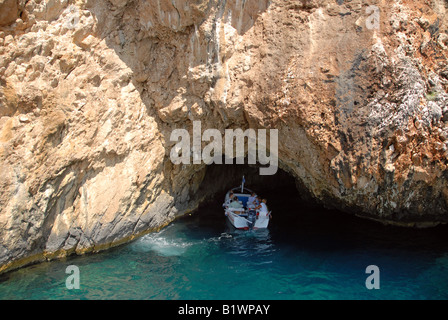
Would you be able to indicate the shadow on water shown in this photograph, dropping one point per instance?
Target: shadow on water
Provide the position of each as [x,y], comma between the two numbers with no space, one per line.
[301,224]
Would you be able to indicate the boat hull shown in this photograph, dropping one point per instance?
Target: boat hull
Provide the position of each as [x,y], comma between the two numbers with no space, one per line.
[242,223]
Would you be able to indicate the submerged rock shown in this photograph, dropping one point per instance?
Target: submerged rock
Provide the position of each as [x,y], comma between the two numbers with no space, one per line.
[90,93]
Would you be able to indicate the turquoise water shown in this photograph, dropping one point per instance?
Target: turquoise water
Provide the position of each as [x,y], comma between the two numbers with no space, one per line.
[305,254]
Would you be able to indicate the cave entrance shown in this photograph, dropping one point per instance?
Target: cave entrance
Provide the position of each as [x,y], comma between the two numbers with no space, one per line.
[290,204]
[298,220]
[219,178]
[281,189]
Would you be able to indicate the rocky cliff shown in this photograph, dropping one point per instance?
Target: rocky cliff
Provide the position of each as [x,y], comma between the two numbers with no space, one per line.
[90,91]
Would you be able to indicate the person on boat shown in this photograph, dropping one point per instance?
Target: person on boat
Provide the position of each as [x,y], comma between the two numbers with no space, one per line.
[251,200]
[235,199]
[230,197]
[263,211]
[235,204]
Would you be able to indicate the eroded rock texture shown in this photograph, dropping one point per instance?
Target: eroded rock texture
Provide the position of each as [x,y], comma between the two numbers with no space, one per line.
[91,91]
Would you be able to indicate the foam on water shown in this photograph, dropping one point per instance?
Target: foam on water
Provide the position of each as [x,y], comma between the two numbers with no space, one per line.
[223,236]
[164,245]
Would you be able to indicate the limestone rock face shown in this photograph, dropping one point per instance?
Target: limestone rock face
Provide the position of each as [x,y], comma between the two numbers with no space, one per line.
[90,92]
[8,11]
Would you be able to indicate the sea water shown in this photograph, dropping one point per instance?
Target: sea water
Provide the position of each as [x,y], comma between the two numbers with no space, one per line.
[306,253]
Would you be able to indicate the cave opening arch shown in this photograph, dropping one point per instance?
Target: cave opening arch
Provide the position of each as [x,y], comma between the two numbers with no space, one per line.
[277,188]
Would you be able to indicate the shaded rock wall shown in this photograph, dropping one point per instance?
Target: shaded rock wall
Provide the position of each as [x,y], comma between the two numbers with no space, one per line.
[91,91]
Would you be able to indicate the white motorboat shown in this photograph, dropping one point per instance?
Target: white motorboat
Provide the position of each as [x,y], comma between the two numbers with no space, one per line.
[242,213]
